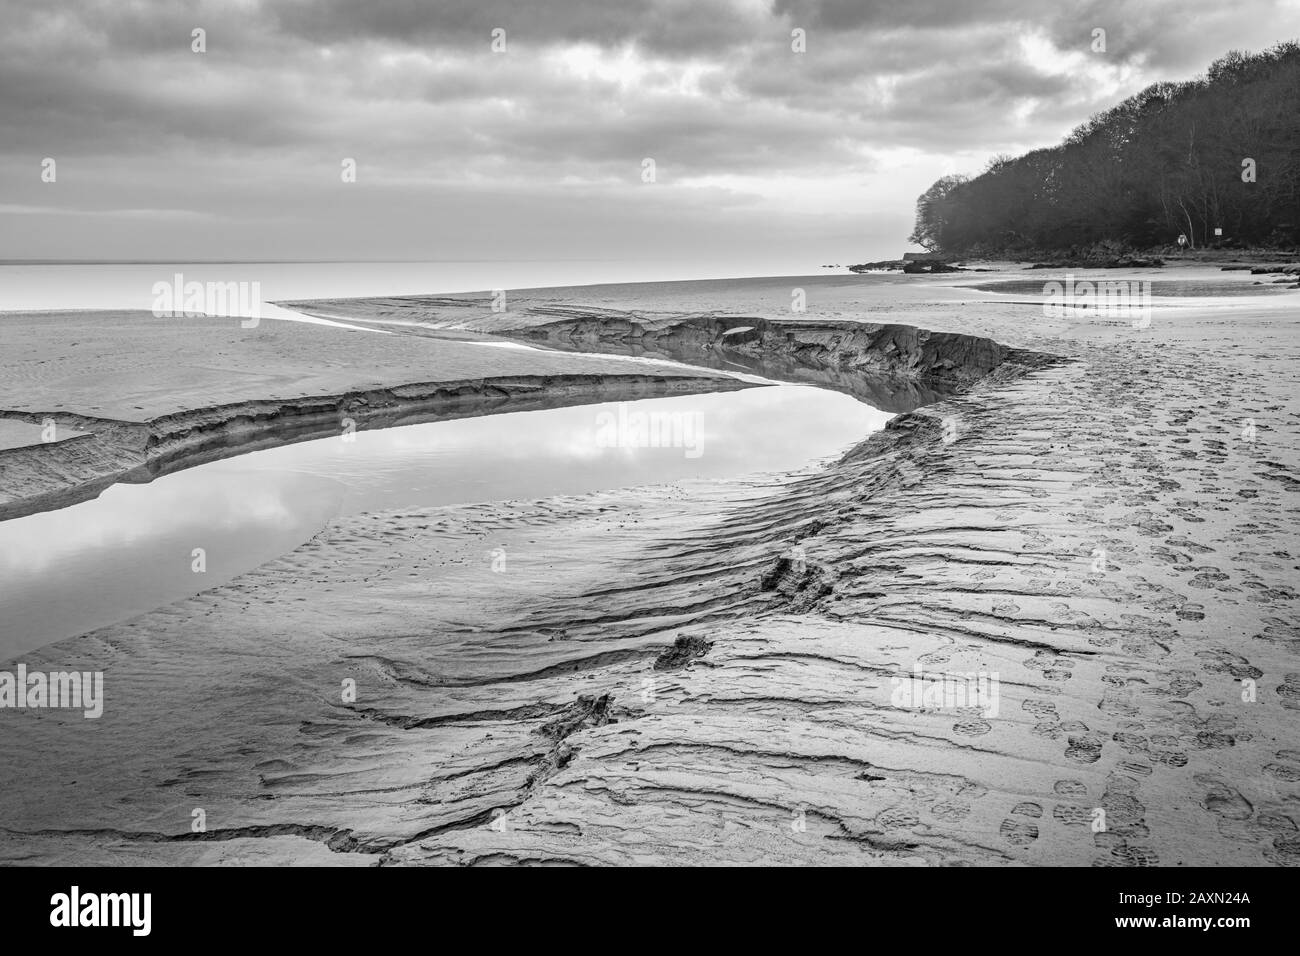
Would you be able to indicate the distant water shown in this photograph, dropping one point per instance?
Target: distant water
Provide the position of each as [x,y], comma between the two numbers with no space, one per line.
[130,286]
[131,549]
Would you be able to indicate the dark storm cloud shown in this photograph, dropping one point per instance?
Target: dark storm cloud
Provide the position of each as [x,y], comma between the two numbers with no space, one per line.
[587,88]
[1179,35]
[668,26]
[122,77]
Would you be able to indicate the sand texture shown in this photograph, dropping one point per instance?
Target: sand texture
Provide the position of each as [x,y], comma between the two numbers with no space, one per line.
[653,679]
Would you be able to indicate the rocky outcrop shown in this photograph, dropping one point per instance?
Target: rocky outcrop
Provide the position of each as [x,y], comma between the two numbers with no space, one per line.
[912,263]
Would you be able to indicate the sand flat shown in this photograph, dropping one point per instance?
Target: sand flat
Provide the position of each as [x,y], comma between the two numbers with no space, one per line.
[134,367]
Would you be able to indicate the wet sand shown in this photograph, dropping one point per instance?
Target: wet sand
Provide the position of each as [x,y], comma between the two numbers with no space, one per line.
[644,680]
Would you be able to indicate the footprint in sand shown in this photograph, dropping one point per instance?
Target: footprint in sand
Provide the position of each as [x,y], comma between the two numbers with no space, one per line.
[1220,661]
[1188,545]
[1053,667]
[1170,758]
[1208,578]
[1126,855]
[950,811]
[1285,834]
[1184,683]
[1051,729]
[1282,635]
[1223,800]
[1072,814]
[1038,707]
[1135,768]
[1018,833]
[1116,706]
[1084,748]
[1285,851]
[1286,772]
[1125,814]
[897,818]
[1169,556]
[1276,820]
[1131,743]
[1070,788]
[1290,691]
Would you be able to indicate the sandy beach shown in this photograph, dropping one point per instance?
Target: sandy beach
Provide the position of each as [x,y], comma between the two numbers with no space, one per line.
[1077,507]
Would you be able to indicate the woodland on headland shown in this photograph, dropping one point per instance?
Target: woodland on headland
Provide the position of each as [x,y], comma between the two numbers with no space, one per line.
[1215,159]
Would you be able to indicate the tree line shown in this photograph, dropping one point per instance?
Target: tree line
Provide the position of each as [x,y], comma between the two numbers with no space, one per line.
[1220,152]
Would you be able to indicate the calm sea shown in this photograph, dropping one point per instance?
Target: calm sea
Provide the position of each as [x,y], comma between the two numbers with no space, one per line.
[26,286]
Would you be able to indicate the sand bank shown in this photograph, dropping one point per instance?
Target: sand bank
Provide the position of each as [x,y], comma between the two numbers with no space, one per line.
[143,395]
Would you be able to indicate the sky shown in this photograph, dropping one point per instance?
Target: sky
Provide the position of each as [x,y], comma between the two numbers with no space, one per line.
[534,145]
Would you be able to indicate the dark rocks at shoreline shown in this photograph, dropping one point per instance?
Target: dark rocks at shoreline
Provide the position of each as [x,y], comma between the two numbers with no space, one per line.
[931,263]
[910,266]
[924,263]
[921,263]
[1118,262]
[1289,273]
[893,265]
[929,268]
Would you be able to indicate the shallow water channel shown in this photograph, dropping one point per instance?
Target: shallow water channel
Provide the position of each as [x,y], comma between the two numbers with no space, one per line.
[140,546]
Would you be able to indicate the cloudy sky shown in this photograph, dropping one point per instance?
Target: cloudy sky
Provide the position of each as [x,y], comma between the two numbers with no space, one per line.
[536,152]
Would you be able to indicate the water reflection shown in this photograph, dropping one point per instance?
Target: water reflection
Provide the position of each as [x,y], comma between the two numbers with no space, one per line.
[133,548]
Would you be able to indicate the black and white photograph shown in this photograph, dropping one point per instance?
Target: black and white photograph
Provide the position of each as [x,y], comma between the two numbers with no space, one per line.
[674,433]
